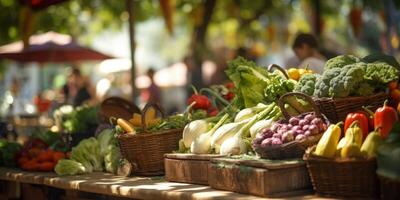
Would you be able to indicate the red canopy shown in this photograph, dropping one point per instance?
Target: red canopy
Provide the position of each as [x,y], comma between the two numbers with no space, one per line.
[50,47]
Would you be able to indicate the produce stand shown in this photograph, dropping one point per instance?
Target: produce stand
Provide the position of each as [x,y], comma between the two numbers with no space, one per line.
[117,186]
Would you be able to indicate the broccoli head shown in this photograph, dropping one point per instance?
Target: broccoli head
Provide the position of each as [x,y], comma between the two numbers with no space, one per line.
[306,84]
[340,61]
[347,81]
[323,83]
[381,73]
[365,89]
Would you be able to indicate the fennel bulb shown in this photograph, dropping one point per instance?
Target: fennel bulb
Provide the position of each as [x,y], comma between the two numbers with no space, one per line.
[202,144]
[193,130]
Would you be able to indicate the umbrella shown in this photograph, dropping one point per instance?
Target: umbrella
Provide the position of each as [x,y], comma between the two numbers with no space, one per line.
[50,47]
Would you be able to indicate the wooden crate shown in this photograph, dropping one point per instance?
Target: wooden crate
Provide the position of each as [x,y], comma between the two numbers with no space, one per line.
[187,168]
[264,178]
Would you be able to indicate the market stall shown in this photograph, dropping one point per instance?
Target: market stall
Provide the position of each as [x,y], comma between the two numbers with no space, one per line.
[268,133]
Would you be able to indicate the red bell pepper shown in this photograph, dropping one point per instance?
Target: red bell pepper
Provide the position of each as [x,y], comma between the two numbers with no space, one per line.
[384,119]
[200,102]
[370,116]
[362,121]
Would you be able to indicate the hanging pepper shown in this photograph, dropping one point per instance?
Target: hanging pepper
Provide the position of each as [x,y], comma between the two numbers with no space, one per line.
[200,101]
[362,121]
[384,119]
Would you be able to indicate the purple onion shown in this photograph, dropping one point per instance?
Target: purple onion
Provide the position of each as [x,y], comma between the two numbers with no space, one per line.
[305,127]
[267,142]
[276,141]
[313,129]
[316,121]
[294,121]
[303,122]
[307,133]
[298,132]
[277,135]
[289,126]
[309,117]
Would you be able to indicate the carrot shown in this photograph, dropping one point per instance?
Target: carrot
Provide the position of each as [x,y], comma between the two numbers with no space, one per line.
[45,156]
[31,165]
[46,166]
[58,156]
[22,161]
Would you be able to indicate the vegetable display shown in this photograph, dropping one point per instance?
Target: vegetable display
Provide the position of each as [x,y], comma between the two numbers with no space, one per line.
[296,129]
[348,75]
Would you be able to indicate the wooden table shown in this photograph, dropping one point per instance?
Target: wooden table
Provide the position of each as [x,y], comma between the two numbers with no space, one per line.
[130,187]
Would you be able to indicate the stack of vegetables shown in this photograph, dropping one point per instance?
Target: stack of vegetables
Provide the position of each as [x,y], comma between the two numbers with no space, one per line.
[348,75]
[92,154]
[42,152]
[252,109]
[296,129]
[358,141]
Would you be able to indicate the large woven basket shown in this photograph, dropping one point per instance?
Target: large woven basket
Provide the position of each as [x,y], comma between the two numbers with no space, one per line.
[294,149]
[145,150]
[342,178]
[336,109]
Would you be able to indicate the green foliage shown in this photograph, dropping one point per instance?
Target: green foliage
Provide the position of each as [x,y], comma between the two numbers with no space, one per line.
[81,119]
[8,152]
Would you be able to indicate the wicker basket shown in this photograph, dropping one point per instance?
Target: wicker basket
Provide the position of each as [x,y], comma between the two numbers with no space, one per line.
[343,178]
[118,108]
[294,149]
[336,109]
[389,188]
[145,151]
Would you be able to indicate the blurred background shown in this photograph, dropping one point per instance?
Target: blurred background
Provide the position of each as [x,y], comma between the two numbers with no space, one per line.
[167,45]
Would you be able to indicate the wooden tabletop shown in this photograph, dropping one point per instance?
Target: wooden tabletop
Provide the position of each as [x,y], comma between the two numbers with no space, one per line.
[133,187]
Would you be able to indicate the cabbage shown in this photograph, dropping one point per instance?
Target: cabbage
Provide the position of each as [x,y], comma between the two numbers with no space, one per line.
[111,159]
[69,167]
[105,138]
[88,153]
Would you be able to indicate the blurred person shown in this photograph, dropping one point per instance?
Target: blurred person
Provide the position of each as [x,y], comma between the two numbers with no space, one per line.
[78,89]
[305,46]
[153,92]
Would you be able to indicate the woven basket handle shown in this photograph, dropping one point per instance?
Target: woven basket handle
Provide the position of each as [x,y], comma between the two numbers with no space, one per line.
[272,66]
[123,103]
[281,103]
[146,108]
